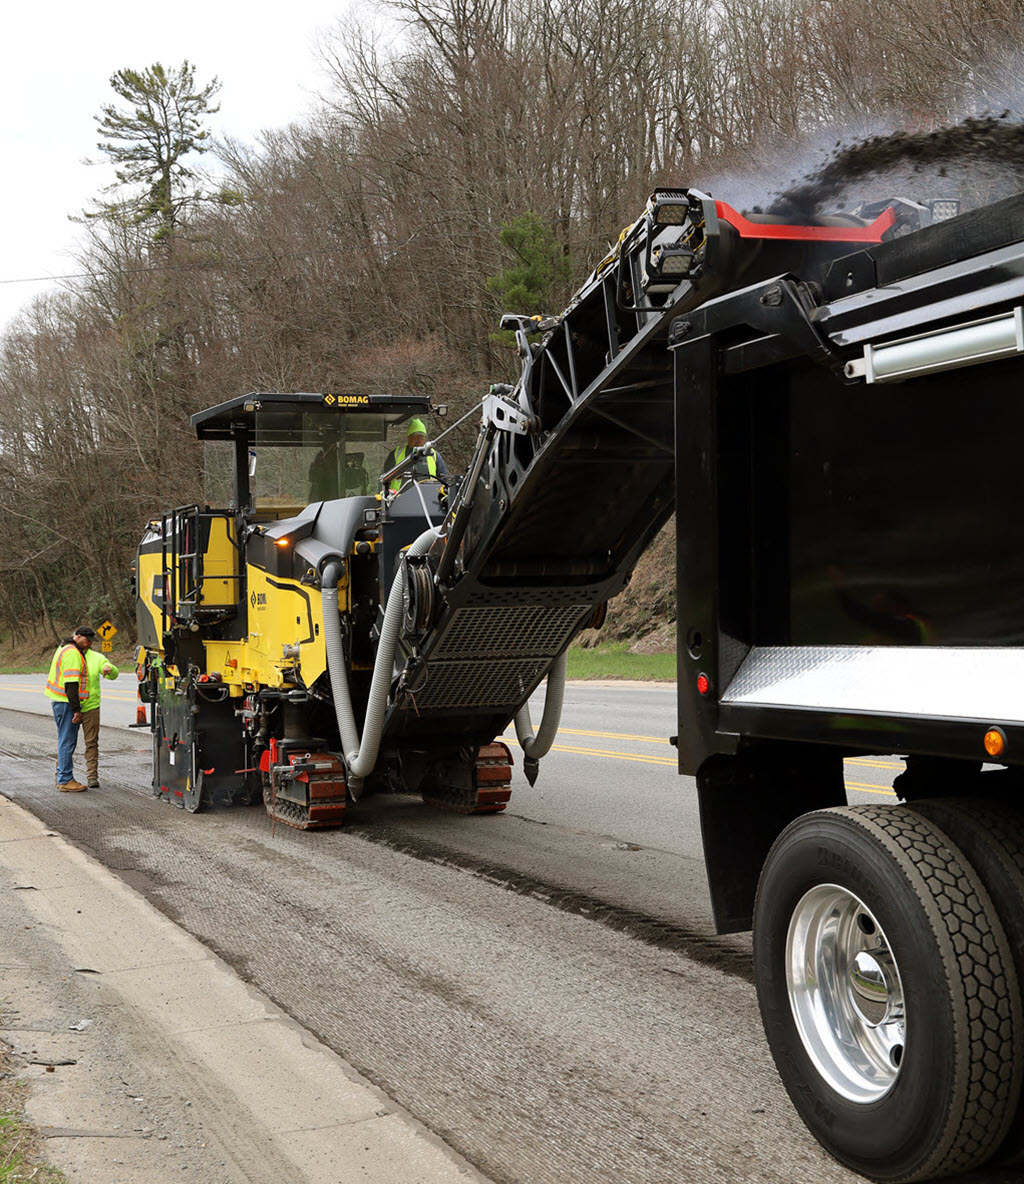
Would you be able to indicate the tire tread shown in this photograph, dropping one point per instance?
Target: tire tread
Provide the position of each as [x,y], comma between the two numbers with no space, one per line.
[988,983]
[991,834]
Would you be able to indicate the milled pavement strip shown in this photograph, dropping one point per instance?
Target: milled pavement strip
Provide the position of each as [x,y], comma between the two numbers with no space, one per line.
[277,1102]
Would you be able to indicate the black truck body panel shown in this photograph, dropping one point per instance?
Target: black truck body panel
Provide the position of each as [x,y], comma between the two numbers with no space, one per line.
[850,567]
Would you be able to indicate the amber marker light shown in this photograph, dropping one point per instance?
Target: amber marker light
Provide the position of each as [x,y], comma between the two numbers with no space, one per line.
[282,542]
[995,742]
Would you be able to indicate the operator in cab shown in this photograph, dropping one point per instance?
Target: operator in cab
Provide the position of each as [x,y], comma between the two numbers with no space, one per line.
[336,472]
[430,466]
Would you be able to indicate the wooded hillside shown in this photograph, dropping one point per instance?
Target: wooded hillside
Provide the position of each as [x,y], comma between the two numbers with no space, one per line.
[465,141]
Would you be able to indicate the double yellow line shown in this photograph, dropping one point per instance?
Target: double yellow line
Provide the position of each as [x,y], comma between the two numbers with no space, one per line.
[615,756]
[640,758]
[868,763]
[671,762]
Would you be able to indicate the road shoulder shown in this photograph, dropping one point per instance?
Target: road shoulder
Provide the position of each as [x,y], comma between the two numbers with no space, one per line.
[147,1056]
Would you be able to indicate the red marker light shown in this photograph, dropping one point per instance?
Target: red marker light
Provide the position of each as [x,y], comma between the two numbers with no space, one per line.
[703,684]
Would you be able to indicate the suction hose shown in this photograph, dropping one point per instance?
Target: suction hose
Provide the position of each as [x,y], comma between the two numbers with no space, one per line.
[361,754]
[534,747]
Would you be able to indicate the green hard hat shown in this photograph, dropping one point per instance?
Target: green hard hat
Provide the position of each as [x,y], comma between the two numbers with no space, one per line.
[416,425]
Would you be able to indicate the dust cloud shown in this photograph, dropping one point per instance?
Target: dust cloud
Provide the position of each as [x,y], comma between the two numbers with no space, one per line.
[978,160]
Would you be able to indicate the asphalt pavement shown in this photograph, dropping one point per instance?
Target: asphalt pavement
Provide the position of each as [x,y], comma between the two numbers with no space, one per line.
[543,1037]
[539,994]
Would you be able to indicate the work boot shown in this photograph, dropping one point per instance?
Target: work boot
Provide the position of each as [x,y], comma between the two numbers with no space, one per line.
[71,786]
[93,783]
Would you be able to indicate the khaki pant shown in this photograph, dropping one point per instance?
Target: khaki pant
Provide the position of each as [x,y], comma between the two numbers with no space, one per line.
[91,732]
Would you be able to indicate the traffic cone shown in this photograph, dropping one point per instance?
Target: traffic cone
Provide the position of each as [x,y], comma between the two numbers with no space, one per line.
[140,714]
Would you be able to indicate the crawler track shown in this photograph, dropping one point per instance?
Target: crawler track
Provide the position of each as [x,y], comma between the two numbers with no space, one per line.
[489,791]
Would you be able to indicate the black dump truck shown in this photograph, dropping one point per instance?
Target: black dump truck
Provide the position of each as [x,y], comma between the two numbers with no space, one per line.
[848,498]
[832,410]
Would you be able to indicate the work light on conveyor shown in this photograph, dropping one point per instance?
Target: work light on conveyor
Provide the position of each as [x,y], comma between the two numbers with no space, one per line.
[943,208]
[671,261]
[669,207]
[667,266]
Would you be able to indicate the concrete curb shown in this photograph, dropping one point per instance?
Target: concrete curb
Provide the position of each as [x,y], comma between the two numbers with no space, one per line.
[275,1102]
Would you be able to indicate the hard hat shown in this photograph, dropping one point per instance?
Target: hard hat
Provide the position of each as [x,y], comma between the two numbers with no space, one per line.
[416,426]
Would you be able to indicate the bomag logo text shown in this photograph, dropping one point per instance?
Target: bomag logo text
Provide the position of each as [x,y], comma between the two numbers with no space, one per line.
[347,400]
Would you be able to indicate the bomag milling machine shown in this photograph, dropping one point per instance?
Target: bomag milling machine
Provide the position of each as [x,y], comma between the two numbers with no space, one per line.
[322,635]
[250,680]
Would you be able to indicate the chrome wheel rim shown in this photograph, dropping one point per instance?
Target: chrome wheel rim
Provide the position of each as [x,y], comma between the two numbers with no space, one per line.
[846,993]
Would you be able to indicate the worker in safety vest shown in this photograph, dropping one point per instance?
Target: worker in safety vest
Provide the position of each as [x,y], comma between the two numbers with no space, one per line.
[97,666]
[65,685]
[429,465]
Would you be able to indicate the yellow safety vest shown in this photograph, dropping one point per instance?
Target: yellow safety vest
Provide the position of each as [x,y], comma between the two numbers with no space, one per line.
[95,664]
[68,665]
[400,456]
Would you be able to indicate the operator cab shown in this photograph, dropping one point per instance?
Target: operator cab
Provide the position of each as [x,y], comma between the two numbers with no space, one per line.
[270,455]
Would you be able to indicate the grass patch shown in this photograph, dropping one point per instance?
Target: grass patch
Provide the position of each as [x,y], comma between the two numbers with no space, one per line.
[612,660]
[20,1158]
[12,1137]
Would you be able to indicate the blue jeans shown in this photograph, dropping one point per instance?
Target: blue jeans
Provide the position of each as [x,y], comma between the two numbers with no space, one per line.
[67,738]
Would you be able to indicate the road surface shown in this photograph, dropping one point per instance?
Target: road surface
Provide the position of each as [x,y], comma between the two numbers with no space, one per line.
[543,988]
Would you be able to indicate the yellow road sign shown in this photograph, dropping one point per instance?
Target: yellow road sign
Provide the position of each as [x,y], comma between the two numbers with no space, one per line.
[107,630]
[106,647]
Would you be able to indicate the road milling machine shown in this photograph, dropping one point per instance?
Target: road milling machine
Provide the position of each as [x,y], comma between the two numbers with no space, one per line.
[832,409]
[320,629]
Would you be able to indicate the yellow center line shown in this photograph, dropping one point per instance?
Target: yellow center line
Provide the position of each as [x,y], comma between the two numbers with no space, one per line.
[561,731]
[669,762]
[869,788]
[613,736]
[615,756]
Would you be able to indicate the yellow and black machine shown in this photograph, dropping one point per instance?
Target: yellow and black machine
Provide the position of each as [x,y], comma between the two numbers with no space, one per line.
[235,653]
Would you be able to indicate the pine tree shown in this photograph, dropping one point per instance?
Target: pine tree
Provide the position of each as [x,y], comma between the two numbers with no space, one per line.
[540,269]
[150,137]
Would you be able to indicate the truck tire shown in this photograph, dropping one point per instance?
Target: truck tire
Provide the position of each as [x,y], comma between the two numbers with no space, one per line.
[991,835]
[888,993]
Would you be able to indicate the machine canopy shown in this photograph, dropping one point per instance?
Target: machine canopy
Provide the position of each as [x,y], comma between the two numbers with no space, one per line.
[301,448]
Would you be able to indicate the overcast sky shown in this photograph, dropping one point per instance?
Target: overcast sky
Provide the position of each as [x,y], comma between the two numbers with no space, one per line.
[56,59]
